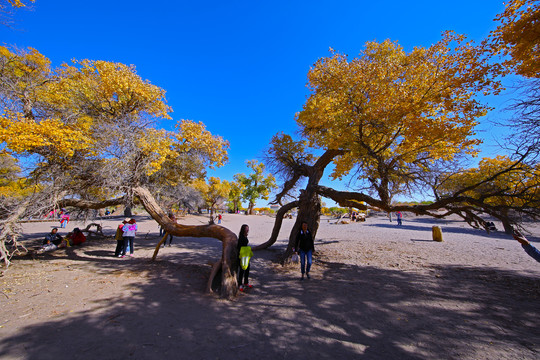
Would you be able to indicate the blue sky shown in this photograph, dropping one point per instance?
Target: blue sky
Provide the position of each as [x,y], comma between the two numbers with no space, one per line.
[238,66]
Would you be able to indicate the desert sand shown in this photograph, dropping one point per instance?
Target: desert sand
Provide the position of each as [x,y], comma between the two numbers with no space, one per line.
[377,291]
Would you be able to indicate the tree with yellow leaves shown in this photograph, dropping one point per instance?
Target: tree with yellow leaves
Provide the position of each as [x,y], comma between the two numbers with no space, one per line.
[86,132]
[517,40]
[383,119]
[255,185]
[214,193]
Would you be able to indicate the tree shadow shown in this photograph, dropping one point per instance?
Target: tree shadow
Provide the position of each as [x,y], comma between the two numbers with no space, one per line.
[344,311]
[423,226]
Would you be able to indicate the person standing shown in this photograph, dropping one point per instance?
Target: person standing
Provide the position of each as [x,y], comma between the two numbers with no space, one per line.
[399,216]
[64,220]
[173,219]
[129,230]
[305,246]
[120,239]
[243,274]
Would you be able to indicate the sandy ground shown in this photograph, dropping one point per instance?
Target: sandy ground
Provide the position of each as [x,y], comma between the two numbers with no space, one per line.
[377,291]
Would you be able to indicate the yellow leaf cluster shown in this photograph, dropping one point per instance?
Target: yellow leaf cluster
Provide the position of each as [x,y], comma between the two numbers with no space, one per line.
[107,90]
[193,137]
[26,135]
[213,191]
[518,36]
[18,3]
[502,181]
[389,104]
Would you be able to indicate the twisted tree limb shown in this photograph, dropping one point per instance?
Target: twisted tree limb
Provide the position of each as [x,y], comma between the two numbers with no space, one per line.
[277,225]
[228,260]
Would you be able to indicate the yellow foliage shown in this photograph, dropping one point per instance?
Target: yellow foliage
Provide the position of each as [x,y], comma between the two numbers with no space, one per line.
[213,191]
[97,110]
[502,182]
[18,3]
[26,135]
[518,36]
[393,106]
[192,136]
[107,90]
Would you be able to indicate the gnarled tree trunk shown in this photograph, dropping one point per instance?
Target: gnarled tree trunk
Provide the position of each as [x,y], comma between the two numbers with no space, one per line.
[228,238]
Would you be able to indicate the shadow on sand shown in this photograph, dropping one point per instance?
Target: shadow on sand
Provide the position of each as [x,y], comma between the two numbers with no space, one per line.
[343,312]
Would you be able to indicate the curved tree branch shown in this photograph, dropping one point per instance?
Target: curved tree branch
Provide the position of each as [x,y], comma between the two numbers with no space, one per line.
[277,225]
[228,238]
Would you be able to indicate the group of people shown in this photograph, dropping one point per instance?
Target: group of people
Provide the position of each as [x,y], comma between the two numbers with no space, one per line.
[54,240]
[304,247]
[125,235]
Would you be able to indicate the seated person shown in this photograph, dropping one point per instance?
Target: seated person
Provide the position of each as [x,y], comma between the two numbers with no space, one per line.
[51,242]
[76,237]
[53,238]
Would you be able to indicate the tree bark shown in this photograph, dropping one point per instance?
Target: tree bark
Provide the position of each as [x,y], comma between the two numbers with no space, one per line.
[228,260]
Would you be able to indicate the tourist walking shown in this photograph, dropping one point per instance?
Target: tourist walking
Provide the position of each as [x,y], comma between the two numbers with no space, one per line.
[305,247]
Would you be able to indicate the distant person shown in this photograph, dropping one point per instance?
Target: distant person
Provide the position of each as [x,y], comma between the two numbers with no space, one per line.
[243,249]
[119,237]
[399,216]
[173,218]
[529,249]
[129,230]
[305,246]
[64,220]
[219,217]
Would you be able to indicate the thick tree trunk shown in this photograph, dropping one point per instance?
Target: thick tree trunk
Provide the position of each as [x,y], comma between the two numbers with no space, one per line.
[508,228]
[309,210]
[228,238]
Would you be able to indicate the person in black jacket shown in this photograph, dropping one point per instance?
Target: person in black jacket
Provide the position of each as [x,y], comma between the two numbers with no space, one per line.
[243,275]
[305,247]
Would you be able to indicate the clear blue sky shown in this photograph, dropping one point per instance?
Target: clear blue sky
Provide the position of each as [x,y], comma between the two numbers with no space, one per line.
[238,66]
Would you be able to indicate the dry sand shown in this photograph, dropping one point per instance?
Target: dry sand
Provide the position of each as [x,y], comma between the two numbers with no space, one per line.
[377,291]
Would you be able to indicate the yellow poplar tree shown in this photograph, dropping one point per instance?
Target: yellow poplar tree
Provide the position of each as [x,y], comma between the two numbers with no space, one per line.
[213,192]
[392,111]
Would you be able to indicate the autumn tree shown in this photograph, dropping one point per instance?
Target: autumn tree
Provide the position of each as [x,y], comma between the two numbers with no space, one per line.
[256,185]
[214,193]
[384,119]
[517,41]
[235,195]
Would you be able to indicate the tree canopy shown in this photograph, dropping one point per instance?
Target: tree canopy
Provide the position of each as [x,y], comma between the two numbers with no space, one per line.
[85,132]
[255,185]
